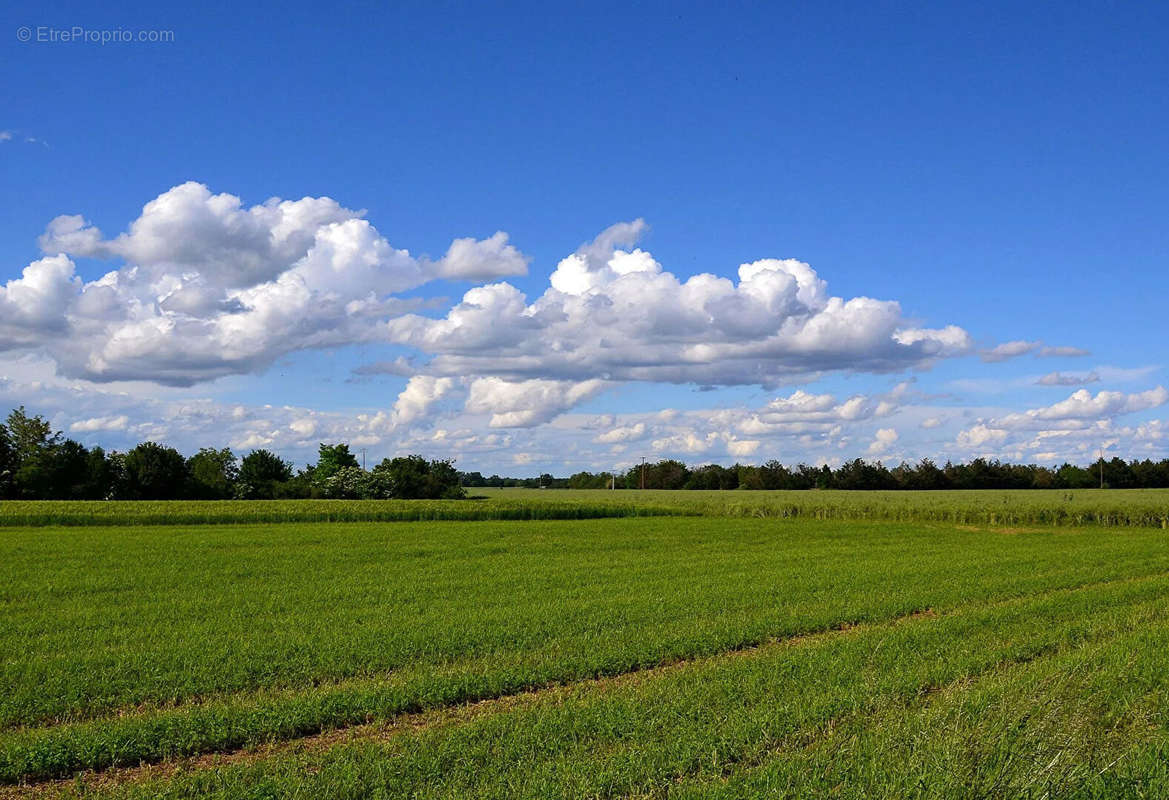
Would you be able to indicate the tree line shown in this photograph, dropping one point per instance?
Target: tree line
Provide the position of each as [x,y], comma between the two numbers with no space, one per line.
[857,474]
[38,463]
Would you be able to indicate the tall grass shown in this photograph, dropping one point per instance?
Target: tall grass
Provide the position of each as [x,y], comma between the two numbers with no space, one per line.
[231,512]
[1109,507]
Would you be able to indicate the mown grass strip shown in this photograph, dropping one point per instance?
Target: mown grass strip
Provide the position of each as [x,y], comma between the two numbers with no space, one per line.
[694,723]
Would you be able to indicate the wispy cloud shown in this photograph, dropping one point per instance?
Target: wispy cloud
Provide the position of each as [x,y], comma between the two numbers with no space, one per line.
[1064,352]
[1008,350]
[1068,379]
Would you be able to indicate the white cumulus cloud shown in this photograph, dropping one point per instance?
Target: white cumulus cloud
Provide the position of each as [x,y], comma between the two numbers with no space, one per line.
[522,404]
[884,439]
[616,314]
[209,287]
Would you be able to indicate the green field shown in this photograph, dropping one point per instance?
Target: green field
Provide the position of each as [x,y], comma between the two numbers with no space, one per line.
[732,651]
[1108,507]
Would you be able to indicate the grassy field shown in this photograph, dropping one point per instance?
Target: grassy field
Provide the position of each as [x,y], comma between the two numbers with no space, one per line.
[1107,507]
[688,656]
[122,513]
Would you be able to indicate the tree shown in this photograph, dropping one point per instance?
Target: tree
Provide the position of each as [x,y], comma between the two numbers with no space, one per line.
[28,435]
[260,474]
[774,475]
[347,483]
[99,476]
[443,481]
[56,471]
[413,477]
[665,474]
[332,458]
[472,479]
[407,475]
[712,476]
[7,464]
[213,473]
[581,480]
[155,472]
[750,477]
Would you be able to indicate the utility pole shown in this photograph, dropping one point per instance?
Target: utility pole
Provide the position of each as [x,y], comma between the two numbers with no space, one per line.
[1101,467]
[363,459]
[643,472]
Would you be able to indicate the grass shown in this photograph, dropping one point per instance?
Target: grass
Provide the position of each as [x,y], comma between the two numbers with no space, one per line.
[122,513]
[1105,507]
[981,702]
[124,645]
[1108,507]
[618,644]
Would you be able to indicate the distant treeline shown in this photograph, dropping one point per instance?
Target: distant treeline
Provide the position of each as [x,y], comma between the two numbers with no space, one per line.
[37,463]
[858,474]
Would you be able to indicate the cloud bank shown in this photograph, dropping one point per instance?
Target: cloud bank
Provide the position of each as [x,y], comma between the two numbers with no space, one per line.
[205,287]
[201,286]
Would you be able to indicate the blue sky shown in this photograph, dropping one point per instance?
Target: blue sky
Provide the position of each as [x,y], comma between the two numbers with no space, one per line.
[999,169]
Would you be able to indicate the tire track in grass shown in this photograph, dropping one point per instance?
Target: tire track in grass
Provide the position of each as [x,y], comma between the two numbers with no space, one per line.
[549,693]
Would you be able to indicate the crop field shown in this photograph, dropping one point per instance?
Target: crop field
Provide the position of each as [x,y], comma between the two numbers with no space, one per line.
[1140,507]
[1109,507]
[656,645]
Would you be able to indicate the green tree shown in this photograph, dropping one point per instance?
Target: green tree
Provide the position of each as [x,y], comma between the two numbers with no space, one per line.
[407,475]
[443,481]
[750,477]
[99,476]
[154,472]
[213,473]
[7,464]
[28,435]
[330,459]
[666,474]
[260,474]
[58,471]
[774,475]
[413,478]
[472,479]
